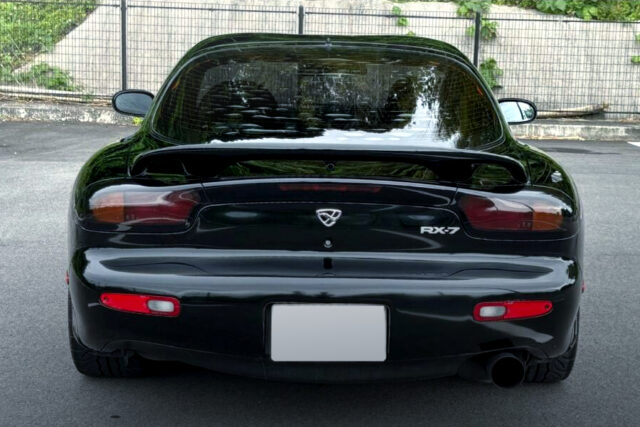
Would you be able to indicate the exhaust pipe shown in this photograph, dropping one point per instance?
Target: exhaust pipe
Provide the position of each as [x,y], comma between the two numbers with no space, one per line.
[506,370]
[502,369]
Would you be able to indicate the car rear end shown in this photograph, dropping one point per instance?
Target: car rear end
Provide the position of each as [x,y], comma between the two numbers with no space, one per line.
[338,252]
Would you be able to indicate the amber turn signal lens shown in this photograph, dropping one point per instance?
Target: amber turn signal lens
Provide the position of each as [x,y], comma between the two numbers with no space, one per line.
[546,217]
[109,208]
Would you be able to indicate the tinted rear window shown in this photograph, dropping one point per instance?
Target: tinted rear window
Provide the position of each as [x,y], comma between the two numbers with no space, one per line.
[332,94]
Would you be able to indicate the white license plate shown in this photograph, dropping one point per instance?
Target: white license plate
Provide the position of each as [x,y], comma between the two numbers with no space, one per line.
[328,333]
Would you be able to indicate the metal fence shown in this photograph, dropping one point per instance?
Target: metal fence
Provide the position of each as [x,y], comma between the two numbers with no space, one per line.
[95,48]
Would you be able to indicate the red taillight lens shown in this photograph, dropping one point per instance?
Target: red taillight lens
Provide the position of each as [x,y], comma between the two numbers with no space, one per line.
[142,304]
[143,207]
[510,310]
[502,214]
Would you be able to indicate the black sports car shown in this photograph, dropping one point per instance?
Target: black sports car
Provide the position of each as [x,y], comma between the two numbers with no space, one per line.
[319,208]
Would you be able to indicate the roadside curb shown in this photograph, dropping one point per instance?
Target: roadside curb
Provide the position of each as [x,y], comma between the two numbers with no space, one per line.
[593,130]
[58,112]
[586,130]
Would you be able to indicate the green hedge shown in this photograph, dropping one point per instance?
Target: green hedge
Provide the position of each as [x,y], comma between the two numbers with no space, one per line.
[27,30]
[622,10]
[606,10]
[619,10]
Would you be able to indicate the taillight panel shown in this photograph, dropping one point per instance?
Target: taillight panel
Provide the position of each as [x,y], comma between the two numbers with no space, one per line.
[133,207]
[525,213]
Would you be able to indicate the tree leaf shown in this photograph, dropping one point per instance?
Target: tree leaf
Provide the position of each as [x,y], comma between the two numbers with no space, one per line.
[561,5]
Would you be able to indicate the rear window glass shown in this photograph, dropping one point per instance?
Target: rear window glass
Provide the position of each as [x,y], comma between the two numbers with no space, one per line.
[373,95]
[342,169]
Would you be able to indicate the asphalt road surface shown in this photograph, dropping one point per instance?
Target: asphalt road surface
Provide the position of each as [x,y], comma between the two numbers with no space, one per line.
[39,385]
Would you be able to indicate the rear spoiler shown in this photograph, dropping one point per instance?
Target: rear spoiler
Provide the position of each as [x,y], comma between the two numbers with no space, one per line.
[202,159]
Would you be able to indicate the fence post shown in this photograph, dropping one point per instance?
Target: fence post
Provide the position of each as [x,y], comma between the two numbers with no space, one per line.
[123,42]
[301,19]
[476,38]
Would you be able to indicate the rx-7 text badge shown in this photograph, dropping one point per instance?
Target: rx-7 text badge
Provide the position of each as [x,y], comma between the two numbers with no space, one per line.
[439,230]
[328,217]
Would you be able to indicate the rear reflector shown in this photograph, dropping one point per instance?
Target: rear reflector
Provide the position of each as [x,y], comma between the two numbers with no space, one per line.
[143,207]
[142,304]
[510,310]
[502,214]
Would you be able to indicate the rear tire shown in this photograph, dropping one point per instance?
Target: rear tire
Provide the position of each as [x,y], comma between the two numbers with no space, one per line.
[558,368]
[96,364]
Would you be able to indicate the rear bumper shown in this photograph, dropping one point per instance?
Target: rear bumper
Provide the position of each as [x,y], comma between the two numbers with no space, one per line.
[224,320]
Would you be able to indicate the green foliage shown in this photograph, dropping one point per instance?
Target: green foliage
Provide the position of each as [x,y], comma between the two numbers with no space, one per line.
[137,121]
[553,6]
[470,7]
[635,59]
[638,37]
[29,29]
[607,10]
[619,10]
[488,30]
[402,21]
[411,33]
[491,72]
[42,75]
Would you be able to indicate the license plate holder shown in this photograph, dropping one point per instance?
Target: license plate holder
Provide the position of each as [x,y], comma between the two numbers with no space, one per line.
[328,333]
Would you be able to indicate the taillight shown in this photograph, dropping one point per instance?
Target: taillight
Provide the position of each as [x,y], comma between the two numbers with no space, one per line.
[133,205]
[510,310]
[497,213]
[142,304]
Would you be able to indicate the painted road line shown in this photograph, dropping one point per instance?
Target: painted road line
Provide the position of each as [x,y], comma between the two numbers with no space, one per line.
[636,143]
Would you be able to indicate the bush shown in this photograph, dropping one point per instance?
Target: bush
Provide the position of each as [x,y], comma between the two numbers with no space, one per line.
[619,10]
[42,75]
[491,72]
[31,29]
[488,29]
[402,21]
[470,7]
[610,10]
